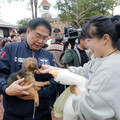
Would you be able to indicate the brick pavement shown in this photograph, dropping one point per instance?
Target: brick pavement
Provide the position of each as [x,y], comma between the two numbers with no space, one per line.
[1,107]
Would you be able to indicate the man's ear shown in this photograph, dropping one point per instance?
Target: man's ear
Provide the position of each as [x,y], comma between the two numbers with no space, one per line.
[106,38]
[28,30]
[81,41]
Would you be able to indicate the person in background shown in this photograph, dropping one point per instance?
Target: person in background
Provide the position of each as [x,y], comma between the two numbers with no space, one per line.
[77,56]
[4,42]
[22,33]
[56,32]
[45,46]
[57,48]
[14,38]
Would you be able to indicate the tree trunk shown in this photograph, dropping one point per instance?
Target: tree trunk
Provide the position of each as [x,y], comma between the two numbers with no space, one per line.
[35,5]
[32,9]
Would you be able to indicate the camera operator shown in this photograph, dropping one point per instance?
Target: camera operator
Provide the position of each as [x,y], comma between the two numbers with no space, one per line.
[77,56]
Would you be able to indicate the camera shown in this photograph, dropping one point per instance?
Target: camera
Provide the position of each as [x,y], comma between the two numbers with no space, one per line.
[71,35]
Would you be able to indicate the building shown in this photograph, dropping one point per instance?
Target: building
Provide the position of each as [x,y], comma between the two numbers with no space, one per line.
[44,7]
[6,29]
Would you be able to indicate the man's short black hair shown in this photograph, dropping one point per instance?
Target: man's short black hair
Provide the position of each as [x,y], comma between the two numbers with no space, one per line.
[80,37]
[56,30]
[39,22]
[22,29]
[45,45]
[12,36]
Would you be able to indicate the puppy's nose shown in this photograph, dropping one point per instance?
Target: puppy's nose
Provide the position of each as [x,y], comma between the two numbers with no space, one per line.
[39,66]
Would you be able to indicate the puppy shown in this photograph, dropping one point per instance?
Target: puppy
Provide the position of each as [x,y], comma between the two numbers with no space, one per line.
[27,72]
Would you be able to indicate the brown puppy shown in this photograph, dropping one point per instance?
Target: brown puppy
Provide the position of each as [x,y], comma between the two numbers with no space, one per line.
[27,72]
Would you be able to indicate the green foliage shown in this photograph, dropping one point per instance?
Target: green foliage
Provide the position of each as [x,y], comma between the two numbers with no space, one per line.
[23,22]
[77,12]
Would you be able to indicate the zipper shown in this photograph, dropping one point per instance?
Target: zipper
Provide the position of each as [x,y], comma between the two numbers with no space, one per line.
[33,54]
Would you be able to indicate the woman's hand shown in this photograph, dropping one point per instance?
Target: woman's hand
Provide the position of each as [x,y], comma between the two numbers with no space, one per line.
[46,69]
[16,90]
[75,90]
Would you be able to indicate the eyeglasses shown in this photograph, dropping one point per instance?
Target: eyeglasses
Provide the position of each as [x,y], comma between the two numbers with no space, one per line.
[41,37]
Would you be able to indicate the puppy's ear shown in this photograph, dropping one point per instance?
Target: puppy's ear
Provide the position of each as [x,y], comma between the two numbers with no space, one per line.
[29,67]
[32,67]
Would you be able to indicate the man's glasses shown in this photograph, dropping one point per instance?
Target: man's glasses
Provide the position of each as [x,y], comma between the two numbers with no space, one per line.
[41,37]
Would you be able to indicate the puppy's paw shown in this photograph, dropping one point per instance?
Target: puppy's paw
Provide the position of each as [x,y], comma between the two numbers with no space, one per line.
[47,83]
[36,103]
[37,88]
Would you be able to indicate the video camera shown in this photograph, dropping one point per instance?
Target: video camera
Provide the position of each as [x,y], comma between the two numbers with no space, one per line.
[71,35]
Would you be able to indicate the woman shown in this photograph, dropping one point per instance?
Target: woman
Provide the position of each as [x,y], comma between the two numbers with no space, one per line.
[101,99]
[4,42]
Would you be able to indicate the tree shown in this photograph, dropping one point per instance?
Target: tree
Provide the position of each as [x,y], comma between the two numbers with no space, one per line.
[33,5]
[77,12]
[32,8]
[23,22]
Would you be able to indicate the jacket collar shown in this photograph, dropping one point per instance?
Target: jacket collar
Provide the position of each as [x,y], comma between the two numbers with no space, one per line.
[28,47]
[26,44]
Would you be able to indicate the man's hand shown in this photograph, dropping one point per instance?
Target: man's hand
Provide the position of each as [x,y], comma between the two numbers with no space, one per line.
[26,97]
[75,90]
[69,46]
[15,89]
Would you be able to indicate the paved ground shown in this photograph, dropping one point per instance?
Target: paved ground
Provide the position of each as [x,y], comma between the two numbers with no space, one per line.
[1,107]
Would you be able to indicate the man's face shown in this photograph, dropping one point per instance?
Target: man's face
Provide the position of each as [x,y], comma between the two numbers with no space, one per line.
[14,39]
[23,36]
[37,38]
[84,44]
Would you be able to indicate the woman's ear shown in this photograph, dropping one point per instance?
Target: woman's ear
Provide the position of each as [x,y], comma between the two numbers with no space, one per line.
[106,38]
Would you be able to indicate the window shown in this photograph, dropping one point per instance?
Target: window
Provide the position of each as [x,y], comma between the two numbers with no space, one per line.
[46,7]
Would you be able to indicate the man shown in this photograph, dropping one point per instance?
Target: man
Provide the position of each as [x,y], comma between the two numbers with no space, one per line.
[22,33]
[56,32]
[18,103]
[14,38]
[77,56]
[57,49]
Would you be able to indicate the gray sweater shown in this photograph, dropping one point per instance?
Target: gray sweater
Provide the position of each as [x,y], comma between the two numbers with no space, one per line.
[101,101]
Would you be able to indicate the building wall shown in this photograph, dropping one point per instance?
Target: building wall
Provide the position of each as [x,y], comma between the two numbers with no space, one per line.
[1,32]
[4,31]
[59,25]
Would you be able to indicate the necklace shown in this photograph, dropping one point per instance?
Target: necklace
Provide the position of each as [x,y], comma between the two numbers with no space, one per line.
[112,52]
